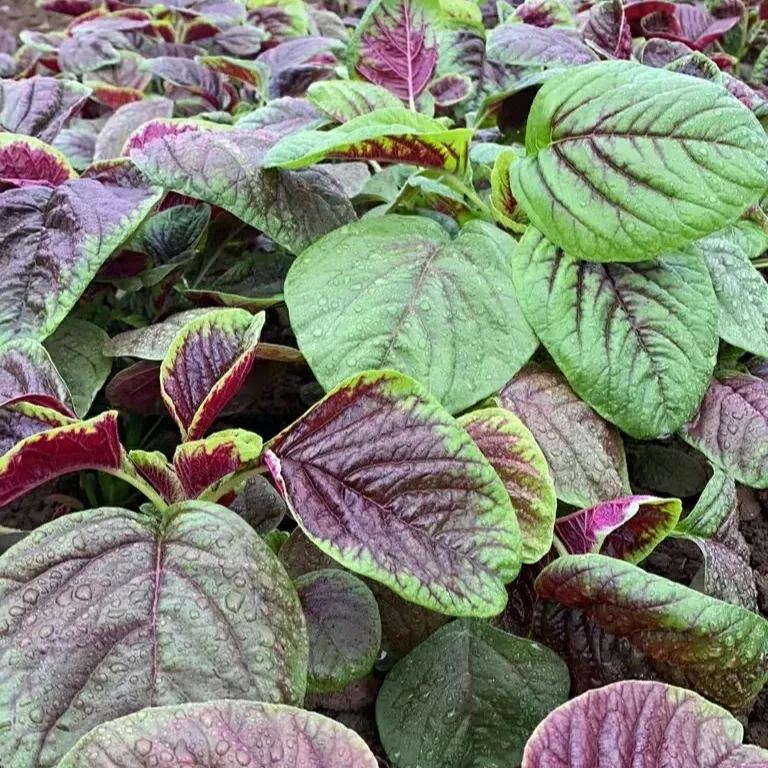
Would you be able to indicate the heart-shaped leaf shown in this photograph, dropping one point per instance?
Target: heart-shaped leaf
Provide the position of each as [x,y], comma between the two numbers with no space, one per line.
[394,46]
[634,723]
[343,100]
[398,292]
[381,478]
[731,427]
[201,464]
[637,341]
[39,106]
[628,528]
[393,135]
[53,242]
[29,162]
[515,455]
[584,453]
[72,447]
[689,636]
[487,692]
[657,168]
[206,365]
[343,625]
[224,169]
[118,611]
[222,734]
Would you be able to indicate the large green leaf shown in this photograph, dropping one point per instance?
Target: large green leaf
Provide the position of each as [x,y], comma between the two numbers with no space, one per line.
[720,650]
[116,611]
[394,135]
[626,162]
[741,290]
[468,696]
[221,734]
[398,292]
[344,99]
[636,341]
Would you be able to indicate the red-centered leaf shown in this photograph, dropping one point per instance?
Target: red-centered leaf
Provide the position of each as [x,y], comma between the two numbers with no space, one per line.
[92,444]
[206,365]
[115,96]
[26,161]
[633,723]
[382,479]
[28,374]
[693,25]
[628,528]
[201,464]
[731,427]
[157,129]
[156,470]
[689,637]
[39,106]
[395,47]
[240,69]
[607,29]
[125,121]
[67,7]
[137,389]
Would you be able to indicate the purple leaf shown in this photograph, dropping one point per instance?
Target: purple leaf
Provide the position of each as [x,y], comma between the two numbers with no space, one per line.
[193,77]
[283,116]
[693,25]
[90,51]
[381,478]
[223,734]
[53,242]
[79,445]
[28,162]
[632,723]
[731,427]
[523,45]
[125,121]
[206,365]
[137,389]
[344,628]
[28,374]
[658,52]
[118,611]
[585,454]
[628,528]
[22,420]
[450,90]
[39,106]
[394,46]
[203,465]
[689,637]
[608,30]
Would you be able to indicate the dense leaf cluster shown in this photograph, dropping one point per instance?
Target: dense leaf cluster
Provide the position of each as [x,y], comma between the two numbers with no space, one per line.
[357,363]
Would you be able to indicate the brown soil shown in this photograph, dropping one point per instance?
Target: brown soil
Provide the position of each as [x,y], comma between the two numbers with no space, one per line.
[18,15]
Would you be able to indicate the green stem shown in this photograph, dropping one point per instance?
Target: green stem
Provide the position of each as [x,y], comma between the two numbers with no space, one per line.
[469,192]
[129,475]
[561,550]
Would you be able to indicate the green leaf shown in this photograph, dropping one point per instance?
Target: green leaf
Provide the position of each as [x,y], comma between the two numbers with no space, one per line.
[382,479]
[637,341]
[691,638]
[398,292]
[741,290]
[626,161]
[76,349]
[345,99]
[468,696]
[584,453]
[394,135]
[716,504]
[515,455]
[344,628]
[117,611]
[222,734]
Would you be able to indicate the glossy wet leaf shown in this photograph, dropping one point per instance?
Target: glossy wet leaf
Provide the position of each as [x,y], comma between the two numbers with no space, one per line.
[382,479]
[76,348]
[392,135]
[487,692]
[515,455]
[206,365]
[636,341]
[731,425]
[585,454]
[224,169]
[688,636]
[398,292]
[625,162]
[633,722]
[156,602]
[628,528]
[343,626]
[226,734]
[52,244]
